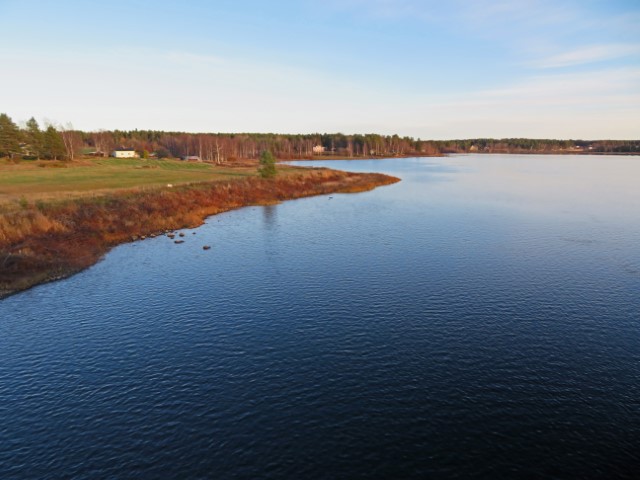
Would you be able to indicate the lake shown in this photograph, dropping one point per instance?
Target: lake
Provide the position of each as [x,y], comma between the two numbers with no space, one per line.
[479,319]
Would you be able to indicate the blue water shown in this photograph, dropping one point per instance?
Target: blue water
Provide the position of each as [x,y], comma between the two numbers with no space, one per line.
[479,319]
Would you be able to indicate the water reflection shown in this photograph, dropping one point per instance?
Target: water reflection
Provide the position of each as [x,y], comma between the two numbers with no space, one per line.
[270,216]
[581,187]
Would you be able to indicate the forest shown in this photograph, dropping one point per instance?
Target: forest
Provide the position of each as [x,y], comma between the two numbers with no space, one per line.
[530,145]
[30,141]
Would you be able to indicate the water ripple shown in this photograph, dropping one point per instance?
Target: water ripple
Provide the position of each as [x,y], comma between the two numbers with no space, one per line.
[469,328]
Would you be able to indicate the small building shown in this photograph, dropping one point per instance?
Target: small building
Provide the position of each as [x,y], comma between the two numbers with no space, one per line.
[318,149]
[191,158]
[95,153]
[124,153]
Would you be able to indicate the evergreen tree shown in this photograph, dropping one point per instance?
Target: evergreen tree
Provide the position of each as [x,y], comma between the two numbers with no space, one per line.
[9,137]
[267,168]
[34,138]
[53,146]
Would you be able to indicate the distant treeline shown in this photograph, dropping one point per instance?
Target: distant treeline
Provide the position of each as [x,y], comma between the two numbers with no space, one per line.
[530,145]
[219,147]
[57,142]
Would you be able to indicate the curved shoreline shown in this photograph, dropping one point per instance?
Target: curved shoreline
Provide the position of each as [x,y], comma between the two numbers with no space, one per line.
[51,242]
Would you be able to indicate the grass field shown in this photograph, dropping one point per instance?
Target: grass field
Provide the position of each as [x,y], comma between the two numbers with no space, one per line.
[51,180]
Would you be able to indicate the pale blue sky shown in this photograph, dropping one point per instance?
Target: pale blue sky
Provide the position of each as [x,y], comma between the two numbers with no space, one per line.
[429,69]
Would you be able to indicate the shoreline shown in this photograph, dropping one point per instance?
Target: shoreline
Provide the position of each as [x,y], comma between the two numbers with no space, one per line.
[447,154]
[383,157]
[55,241]
[576,153]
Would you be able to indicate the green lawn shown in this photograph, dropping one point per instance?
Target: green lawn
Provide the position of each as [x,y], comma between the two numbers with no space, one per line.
[44,180]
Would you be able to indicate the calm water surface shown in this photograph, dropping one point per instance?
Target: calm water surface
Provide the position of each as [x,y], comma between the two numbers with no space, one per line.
[480,319]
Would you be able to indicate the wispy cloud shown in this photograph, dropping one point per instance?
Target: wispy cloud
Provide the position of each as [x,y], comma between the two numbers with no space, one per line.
[604,103]
[585,55]
[596,89]
[539,33]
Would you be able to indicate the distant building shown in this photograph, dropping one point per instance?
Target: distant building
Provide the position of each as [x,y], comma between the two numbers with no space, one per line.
[95,153]
[318,149]
[124,153]
[191,158]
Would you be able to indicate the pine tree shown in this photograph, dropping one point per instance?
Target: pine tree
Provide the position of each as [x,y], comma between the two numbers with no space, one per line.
[53,146]
[34,138]
[9,137]
[267,168]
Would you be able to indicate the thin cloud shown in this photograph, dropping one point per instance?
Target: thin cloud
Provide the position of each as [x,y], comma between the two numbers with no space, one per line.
[544,91]
[586,55]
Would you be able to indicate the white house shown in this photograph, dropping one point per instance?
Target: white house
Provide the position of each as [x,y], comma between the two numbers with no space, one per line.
[317,149]
[124,153]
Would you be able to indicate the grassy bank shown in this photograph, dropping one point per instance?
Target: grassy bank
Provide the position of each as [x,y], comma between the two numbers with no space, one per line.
[50,234]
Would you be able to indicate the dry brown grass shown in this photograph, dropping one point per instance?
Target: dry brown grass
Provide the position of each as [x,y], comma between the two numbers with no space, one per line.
[18,225]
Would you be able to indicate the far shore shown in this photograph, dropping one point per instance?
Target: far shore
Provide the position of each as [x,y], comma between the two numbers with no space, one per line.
[446,154]
[383,157]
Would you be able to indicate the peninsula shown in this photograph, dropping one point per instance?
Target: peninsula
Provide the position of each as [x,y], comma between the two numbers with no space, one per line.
[60,217]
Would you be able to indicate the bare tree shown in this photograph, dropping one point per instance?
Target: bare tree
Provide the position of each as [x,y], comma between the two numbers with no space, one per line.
[219,148]
[70,139]
[102,141]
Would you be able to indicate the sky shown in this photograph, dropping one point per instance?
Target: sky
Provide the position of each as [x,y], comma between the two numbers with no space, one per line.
[423,68]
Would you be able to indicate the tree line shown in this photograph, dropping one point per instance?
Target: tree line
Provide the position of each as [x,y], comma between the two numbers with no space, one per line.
[220,147]
[57,142]
[65,142]
[33,142]
[532,145]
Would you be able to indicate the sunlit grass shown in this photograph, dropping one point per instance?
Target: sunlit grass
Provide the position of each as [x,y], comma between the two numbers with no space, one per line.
[47,180]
